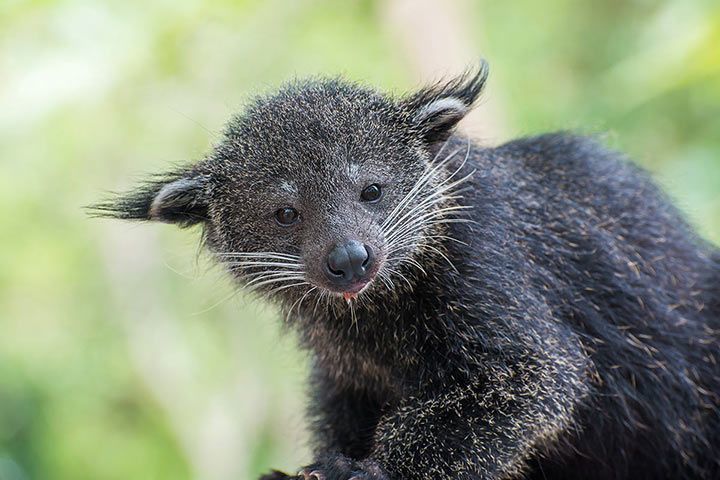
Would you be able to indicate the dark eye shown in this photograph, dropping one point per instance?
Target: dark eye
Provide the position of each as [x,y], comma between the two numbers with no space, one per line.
[286,216]
[371,193]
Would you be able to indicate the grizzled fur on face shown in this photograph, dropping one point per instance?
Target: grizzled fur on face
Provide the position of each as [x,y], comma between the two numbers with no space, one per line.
[534,310]
[313,147]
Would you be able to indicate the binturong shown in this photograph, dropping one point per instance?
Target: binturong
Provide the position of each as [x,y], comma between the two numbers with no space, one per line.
[533,310]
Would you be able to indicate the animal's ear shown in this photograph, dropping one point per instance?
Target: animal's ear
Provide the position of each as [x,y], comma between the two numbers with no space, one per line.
[180,198]
[435,110]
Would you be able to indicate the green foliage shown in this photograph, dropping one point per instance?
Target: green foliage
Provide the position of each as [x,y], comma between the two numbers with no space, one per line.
[125,355]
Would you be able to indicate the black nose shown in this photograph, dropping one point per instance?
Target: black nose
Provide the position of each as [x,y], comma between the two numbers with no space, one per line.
[348,261]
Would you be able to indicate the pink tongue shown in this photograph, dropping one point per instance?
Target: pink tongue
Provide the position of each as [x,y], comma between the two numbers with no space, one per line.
[349,296]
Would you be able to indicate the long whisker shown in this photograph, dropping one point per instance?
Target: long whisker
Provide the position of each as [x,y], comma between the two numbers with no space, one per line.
[353,317]
[444,191]
[217,303]
[264,279]
[317,302]
[297,280]
[265,264]
[299,302]
[427,175]
[435,197]
[405,225]
[271,292]
[280,271]
[259,255]
[440,253]
[281,254]
[411,239]
[425,178]
[426,217]
[395,272]
[385,279]
[416,189]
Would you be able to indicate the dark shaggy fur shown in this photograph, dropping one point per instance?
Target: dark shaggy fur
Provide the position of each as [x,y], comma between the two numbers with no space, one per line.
[540,309]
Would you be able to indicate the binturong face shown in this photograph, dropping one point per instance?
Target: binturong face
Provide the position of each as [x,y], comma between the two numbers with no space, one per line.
[325,188]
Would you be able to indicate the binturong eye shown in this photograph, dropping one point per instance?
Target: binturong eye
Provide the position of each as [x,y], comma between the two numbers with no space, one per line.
[287,216]
[371,193]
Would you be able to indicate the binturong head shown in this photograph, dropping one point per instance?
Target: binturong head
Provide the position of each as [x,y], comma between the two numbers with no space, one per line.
[325,188]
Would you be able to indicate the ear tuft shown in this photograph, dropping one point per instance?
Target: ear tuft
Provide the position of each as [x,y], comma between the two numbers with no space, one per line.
[435,110]
[179,198]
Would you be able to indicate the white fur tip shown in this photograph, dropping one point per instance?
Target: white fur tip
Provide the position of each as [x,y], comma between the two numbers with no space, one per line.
[451,105]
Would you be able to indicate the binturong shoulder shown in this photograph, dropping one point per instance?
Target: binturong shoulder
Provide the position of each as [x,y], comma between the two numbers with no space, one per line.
[569,170]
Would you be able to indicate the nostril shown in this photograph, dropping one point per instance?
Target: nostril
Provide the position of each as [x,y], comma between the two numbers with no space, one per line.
[337,273]
[368,258]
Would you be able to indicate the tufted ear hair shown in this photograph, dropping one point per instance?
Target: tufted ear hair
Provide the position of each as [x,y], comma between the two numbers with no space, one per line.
[179,197]
[436,109]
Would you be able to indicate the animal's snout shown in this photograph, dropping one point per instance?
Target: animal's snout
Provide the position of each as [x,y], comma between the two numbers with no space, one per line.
[348,262]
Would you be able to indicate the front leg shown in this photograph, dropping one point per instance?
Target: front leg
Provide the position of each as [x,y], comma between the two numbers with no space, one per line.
[484,424]
[486,429]
[343,418]
[482,429]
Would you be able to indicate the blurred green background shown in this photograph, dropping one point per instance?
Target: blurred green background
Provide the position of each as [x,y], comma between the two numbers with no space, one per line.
[123,352]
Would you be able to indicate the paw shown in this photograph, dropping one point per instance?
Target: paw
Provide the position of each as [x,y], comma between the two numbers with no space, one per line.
[339,467]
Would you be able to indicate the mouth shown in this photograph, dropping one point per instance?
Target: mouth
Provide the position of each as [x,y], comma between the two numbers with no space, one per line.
[354,289]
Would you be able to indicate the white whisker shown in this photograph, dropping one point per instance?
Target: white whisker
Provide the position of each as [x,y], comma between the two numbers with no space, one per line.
[259,255]
[422,181]
[265,264]
[395,272]
[431,200]
[267,279]
[425,178]
[271,292]
[299,302]
[353,317]
[425,218]
[409,224]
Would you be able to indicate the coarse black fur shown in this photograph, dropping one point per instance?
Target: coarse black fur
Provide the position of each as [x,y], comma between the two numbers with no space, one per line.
[540,309]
